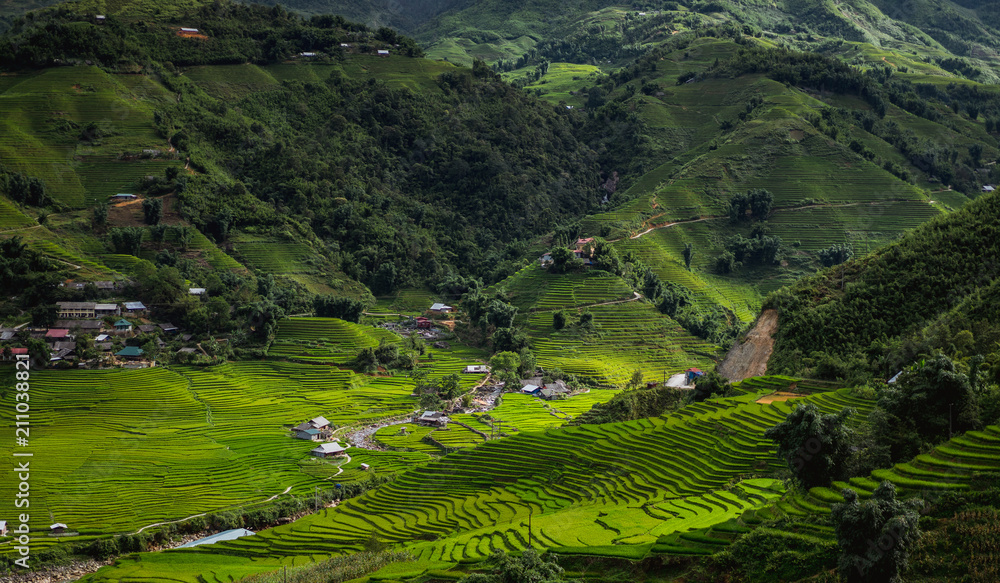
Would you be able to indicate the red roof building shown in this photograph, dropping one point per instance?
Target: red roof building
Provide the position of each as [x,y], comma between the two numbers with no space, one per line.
[57,333]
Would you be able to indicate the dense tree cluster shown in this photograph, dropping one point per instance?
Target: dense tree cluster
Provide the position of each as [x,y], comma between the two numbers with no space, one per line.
[233,34]
[23,189]
[815,446]
[404,198]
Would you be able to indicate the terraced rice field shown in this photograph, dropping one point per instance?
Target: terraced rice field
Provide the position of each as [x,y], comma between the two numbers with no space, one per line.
[627,337]
[157,444]
[37,135]
[864,226]
[231,82]
[276,256]
[616,488]
[948,467]
[520,412]
[325,339]
[536,289]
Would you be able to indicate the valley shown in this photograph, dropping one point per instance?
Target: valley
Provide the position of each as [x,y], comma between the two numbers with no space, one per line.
[399,288]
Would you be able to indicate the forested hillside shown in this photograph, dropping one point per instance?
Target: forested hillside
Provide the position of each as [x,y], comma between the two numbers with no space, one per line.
[932,290]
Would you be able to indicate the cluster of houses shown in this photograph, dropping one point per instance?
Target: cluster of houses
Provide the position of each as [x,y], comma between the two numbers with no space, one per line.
[319,429]
[105,322]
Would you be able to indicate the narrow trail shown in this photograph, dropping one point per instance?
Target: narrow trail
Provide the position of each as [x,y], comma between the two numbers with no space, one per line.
[777,210]
[287,490]
[170,522]
[340,469]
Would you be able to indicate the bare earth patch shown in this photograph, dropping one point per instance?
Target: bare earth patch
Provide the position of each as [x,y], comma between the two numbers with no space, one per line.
[749,358]
[777,398]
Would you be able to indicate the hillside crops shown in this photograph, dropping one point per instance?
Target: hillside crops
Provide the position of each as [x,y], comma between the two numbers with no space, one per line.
[626,337]
[618,487]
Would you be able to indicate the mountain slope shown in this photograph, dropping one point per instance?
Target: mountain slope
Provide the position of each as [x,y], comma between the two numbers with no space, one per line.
[857,313]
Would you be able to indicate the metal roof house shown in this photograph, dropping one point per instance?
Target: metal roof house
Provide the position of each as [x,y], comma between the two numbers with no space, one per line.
[73,310]
[135,307]
[432,419]
[328,450]
[308,434]
[320,422]
[442,308]
[476,369]
[130,352]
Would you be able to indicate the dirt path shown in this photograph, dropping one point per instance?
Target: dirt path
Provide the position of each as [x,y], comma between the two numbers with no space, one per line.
[716,217]
[749,358]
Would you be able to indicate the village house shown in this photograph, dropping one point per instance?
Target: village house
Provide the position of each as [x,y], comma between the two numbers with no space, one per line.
[73,310]
[135,308]
[325,450]
[14,352]
[476,369]
[123,325]
[100,19]
[308,434]
[101,310]
[383,52]
[3,528]
[147,328]
[56,334]
[130,353]
[308,54]
[123,197]
[433,419]
[691,374]
[85,326]
[553,391]
[189,32]
[988,188]
[106,285]
[320,422]
[58,528]
[441,308]
[423,323]
[584,247]
[530,389]
[169,328]
[196,291]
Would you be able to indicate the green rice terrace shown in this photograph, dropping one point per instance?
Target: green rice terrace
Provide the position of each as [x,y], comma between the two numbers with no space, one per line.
[623,489]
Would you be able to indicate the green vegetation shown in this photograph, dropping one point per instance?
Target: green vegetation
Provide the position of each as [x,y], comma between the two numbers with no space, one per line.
[706,153]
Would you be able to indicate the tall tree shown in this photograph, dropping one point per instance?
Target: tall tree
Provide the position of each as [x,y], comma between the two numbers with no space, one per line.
[875,536]
[815,446]
[152,211]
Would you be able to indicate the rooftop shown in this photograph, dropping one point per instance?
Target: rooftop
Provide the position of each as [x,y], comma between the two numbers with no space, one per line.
[130,351]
